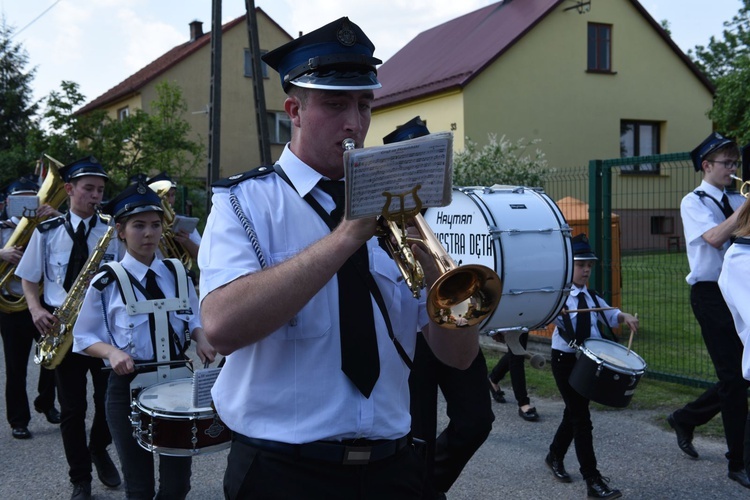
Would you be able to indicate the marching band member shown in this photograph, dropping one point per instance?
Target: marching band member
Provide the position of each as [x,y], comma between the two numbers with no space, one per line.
[735,288]
[107,328]
[315,388]
[55,255]
[709,217]
[576,426]
[19,333]
[191,242]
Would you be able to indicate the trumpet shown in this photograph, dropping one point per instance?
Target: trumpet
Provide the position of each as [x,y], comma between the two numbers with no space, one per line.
[462,296]
[744,187]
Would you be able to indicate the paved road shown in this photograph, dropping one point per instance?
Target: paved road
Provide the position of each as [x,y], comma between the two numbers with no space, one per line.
[634,448]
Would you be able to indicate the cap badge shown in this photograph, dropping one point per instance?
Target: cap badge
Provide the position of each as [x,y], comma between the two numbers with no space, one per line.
[141,189]
[346,36]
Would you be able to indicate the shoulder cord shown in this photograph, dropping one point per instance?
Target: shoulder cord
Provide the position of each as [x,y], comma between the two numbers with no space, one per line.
[366,276]
[248,227]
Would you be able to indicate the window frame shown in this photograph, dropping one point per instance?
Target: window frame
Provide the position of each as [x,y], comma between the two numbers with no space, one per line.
[275,119]
[595,44]
[645,168]
[248,66]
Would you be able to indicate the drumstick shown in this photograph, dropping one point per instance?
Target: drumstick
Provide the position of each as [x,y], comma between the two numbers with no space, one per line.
[593,309]
[159,363]
[630,340]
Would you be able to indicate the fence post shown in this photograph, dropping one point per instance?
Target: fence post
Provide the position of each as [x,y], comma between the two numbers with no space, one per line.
[595,218]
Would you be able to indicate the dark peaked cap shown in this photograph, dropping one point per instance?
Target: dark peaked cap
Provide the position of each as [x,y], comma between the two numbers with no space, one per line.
[337,56]
[708,146]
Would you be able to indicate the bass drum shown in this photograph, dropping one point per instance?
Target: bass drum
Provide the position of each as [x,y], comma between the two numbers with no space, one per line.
[521,234]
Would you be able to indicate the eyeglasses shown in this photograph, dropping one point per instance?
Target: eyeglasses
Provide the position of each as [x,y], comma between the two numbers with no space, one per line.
[728,164]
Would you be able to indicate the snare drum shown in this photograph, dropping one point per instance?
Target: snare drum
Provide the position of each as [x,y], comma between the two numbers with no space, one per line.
[165,421]
[606,372]
[519,233]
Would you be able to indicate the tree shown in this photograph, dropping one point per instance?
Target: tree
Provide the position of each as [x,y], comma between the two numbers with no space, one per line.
[725,62]
[142,142]
[500,162]
[18,122]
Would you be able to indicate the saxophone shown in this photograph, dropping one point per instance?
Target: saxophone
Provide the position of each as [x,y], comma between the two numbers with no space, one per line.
[52,347]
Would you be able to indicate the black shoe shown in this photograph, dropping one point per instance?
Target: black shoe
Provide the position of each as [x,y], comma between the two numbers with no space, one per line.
[81,491]
[556,466]
[21,433]
[498,395]
[684,436]
[740,476]
[52,415]
[105,469]
[529,415]
[596,487]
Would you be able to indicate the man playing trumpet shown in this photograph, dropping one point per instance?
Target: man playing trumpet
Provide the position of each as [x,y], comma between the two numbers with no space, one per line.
[290,292]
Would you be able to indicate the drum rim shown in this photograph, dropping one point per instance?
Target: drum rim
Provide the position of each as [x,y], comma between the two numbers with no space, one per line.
[617,368]
[195,411]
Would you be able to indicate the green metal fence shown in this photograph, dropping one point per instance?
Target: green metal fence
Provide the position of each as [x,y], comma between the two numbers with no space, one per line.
[635,228]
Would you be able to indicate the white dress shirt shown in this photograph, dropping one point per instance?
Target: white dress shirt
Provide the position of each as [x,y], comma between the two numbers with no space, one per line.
[699,214]
[131,334]
[289,386]
[734,282]
[558,342]
[47,254]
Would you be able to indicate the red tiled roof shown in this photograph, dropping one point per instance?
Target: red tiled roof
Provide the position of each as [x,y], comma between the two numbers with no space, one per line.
[452,54]
[135,82]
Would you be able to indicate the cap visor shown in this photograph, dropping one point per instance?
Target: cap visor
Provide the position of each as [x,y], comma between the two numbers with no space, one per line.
[336,80]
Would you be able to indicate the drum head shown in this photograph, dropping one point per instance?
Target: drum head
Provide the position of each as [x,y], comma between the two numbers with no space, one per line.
[614,354]
[173,397]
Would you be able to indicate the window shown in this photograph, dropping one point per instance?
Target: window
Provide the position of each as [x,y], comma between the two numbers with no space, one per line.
[280,127]
[123,113]
[249,64]
[600,48]
[661,224]
[639,139]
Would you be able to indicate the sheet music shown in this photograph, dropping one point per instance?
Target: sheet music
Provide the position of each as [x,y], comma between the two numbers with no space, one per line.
[398,168]
[203,381]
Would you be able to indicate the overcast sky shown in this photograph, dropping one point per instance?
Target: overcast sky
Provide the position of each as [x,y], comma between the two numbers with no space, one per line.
[99,43]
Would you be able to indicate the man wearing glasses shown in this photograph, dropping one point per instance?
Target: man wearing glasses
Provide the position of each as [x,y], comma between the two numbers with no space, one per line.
[709,217]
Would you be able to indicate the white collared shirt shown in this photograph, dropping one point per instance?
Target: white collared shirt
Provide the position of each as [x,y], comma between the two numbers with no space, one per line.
[47,254]
[735,287]
[558,342]
[132,334]
[700,214]
[289,386]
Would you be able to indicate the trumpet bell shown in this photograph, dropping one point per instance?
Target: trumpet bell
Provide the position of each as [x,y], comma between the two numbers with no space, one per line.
[464,296]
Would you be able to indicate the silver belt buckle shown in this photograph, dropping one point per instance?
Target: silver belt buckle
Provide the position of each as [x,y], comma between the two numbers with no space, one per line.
[357,455]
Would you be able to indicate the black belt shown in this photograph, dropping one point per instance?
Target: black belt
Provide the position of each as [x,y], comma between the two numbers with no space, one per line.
[352,452]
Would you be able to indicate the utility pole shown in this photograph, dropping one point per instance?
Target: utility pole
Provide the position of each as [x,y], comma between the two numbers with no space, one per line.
[214,122]
[261,119]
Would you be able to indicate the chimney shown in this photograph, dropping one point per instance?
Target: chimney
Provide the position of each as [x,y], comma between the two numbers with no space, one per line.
[196,30]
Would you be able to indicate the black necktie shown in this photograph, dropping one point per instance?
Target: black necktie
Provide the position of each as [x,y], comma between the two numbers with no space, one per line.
[726,208]
[583,321]
[152,287]
[78,255]
[359,344]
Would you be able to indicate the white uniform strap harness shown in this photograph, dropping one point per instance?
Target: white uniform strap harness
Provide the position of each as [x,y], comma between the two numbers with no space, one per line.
[160,308]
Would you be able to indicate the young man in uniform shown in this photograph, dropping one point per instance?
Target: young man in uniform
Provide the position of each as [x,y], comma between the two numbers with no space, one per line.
[55,255]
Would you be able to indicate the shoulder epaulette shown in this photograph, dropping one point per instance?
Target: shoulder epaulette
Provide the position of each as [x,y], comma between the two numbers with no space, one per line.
[237,178]
[106,277]
[51,223]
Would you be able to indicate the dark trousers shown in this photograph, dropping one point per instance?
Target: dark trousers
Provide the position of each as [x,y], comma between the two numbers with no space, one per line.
[71,391]
[137,463]
[729,394]
[19,333]
[516,365]
[253,473]
[576,426]
[469,409]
